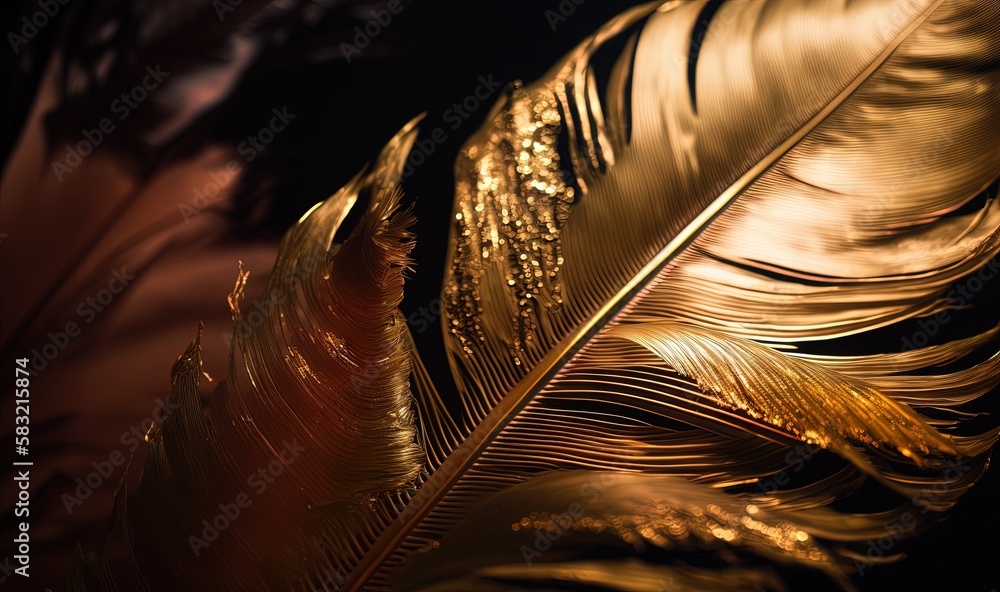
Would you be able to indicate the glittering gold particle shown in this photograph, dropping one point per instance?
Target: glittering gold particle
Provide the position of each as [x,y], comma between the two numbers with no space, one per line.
[513,203]
[669,525]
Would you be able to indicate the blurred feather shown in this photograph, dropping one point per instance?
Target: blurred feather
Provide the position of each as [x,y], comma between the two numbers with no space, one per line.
[125,214]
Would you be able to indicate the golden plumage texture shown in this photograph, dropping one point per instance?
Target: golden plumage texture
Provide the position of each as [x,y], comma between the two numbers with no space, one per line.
[640,267]
[314,423]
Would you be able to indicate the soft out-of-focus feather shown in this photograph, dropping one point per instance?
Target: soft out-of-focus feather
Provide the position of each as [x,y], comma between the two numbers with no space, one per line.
[119,191]
[107,47]
[152,204]
[150,248]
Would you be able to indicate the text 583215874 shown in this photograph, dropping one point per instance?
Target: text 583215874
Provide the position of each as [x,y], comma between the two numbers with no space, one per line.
[22,411]
[22,475]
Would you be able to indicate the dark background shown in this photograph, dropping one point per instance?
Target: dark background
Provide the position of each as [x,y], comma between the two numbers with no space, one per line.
[429,57]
